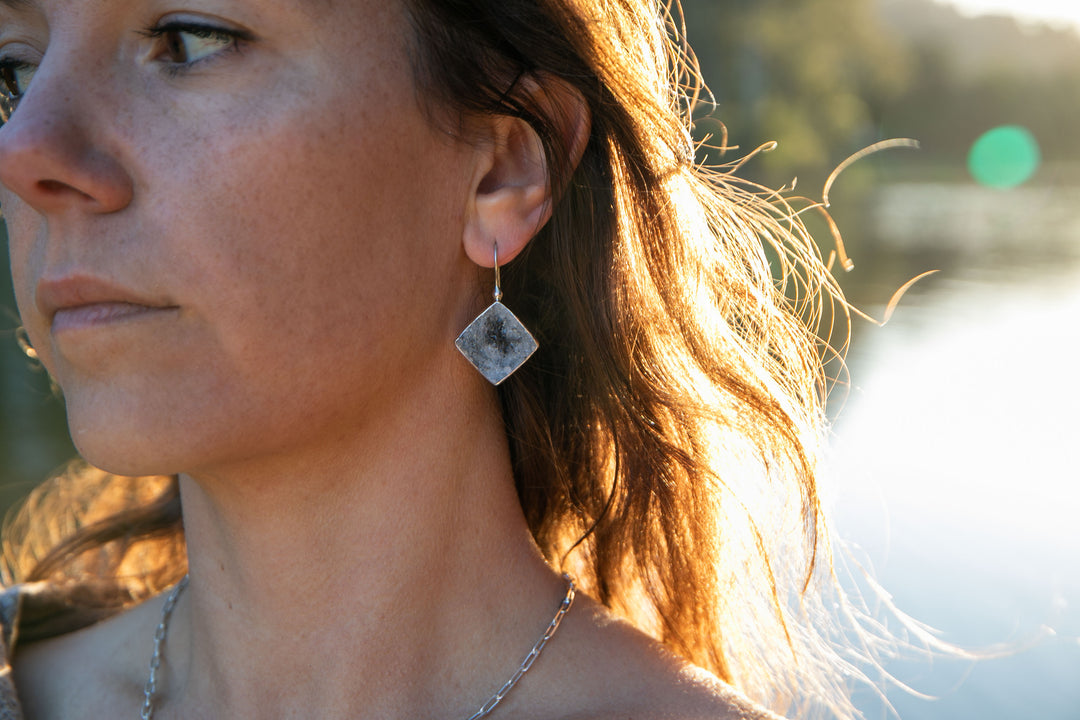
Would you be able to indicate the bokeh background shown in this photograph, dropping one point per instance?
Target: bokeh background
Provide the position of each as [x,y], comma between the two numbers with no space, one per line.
[953,470]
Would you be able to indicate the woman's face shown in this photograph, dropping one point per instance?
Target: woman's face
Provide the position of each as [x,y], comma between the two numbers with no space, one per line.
[231,226]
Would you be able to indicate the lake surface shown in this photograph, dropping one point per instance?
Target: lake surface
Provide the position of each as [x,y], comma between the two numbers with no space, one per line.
[956,461]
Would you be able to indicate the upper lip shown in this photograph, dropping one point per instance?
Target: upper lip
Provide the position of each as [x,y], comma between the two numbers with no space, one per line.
[77,290]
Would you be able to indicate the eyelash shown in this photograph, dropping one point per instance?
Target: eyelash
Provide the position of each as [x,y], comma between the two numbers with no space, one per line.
[232,40]
[8,69]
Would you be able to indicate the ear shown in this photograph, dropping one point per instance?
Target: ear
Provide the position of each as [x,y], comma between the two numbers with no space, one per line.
[511,193]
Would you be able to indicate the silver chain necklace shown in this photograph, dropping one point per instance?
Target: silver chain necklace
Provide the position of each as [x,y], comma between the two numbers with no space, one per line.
[159,638]
[150,691]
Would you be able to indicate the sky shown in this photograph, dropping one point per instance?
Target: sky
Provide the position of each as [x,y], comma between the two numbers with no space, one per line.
[1054,11]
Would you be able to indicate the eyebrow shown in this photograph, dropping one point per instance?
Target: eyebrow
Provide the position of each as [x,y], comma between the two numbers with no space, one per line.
[15,4]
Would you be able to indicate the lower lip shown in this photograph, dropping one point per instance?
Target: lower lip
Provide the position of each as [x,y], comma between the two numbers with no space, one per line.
[100,314]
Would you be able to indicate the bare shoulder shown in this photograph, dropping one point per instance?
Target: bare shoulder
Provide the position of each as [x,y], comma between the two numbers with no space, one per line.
[619,673]
[693,695]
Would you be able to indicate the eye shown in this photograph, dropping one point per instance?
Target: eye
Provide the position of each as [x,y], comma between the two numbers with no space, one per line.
[183,44]
[15,77]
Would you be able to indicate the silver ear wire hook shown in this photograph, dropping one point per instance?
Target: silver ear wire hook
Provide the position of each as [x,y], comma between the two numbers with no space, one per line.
[496,342]
[498,290]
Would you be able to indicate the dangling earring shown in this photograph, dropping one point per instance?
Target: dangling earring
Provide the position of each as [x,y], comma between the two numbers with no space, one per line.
[496,342]
[24,343]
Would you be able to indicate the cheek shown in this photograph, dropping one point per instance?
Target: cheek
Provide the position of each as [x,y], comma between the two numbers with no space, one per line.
[314,246]
[321,243]
[311,237]
[18,248]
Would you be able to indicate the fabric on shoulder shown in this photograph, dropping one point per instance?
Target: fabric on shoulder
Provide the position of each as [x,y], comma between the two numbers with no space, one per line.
[41,610]
[10,610]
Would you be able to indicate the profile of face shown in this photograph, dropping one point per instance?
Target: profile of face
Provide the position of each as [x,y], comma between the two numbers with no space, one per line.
[231,224]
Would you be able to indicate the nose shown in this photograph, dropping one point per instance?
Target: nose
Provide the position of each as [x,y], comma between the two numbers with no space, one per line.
[51,155]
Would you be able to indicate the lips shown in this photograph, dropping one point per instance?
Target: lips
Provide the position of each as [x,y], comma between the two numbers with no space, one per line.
[75,301]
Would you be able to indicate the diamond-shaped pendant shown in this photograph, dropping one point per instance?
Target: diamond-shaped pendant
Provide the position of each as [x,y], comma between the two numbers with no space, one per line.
[496,343]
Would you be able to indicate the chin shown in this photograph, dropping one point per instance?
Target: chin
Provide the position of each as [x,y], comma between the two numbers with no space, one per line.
[120,444]
[117,458]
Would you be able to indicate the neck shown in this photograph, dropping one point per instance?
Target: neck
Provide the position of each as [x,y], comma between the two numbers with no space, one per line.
[358,578]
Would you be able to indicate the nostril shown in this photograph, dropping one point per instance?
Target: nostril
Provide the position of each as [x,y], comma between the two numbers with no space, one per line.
[52,186]
[50,189]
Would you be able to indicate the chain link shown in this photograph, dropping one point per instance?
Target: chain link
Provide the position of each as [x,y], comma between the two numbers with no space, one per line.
[150,692]
[538,648]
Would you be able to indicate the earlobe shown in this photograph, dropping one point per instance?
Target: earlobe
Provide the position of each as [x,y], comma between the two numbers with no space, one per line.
[512,199]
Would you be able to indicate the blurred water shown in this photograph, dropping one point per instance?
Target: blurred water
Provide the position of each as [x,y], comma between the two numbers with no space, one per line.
[956,457]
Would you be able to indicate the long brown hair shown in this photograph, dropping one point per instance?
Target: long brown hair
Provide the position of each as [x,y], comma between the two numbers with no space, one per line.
[665,436]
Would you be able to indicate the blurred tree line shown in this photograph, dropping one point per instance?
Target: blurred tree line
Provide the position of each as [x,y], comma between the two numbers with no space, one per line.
[825,78]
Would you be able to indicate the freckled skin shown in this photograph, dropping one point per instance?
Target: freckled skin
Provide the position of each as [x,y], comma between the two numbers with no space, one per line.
[290,198]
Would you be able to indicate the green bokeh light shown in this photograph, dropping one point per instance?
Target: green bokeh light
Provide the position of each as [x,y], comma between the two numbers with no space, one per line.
[1004,157]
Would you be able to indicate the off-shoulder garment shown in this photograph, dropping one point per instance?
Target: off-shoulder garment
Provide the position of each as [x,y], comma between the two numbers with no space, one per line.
[36,611]
[10,610]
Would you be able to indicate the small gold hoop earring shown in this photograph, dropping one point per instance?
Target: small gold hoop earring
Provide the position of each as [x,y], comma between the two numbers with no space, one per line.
[24,343]
[496,342]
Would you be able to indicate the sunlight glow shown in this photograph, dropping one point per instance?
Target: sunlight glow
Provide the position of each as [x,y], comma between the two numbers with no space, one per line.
[1054,12]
